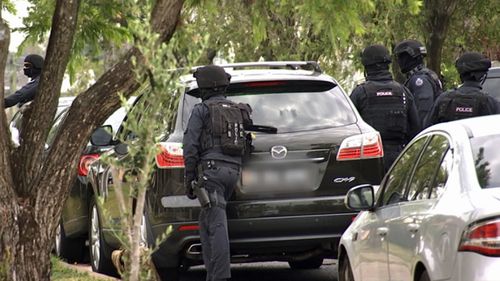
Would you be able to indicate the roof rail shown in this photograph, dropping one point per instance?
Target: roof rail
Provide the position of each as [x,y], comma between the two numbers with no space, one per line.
[294,65]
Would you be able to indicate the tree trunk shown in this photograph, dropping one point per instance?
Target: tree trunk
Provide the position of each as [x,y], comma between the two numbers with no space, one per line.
[438,14]
[32,198]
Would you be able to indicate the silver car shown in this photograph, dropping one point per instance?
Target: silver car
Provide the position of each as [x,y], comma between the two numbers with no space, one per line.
[436,214]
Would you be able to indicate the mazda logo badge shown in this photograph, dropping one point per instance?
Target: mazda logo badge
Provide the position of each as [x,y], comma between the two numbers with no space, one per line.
[278,152]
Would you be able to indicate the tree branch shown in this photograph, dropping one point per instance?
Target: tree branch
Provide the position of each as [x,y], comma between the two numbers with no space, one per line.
[39,120]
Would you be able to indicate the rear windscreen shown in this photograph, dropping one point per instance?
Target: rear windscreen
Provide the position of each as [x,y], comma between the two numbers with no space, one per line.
[492,86]
[290,109]
[487,160]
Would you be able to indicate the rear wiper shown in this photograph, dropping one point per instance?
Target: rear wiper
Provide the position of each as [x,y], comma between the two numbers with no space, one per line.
[261,128]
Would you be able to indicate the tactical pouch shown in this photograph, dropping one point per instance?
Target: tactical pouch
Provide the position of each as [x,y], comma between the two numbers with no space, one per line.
[201,194]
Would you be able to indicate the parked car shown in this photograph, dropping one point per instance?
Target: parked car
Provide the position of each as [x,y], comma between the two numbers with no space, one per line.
[288,205]
[72,233]
[16,120]
[436,214]
[492,83]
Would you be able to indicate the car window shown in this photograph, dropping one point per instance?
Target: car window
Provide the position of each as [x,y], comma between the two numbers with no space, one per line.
[487,160]
[492,86]
[163,117]
[292,111]
[442,175]
[395,181]
[427,167]
[55,127]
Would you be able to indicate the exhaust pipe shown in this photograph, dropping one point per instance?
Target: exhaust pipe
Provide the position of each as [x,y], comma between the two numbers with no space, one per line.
[194,249]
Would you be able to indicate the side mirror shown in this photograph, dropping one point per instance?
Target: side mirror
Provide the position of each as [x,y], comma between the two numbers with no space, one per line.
[360,198]
[102,136]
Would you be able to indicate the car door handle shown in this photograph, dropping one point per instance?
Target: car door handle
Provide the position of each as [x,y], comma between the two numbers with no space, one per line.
[413,227]
[382,231]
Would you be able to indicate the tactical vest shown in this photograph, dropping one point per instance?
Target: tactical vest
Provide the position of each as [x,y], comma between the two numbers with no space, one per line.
[437,87]
[462,103]
[226,128]
[386,109]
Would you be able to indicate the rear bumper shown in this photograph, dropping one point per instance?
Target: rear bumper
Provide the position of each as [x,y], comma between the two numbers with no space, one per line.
[475,267]
[259,239]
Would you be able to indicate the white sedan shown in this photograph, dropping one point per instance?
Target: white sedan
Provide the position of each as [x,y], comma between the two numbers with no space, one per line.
[436,215]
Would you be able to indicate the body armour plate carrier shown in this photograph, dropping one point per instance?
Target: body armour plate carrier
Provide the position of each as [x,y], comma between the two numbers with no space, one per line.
[437,87]
[386,109]
[227,127]
[460,104]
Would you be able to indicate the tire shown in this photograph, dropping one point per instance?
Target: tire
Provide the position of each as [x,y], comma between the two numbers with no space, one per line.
[424,276]
[72,250]
[311,263]
[345,271]
[99,250]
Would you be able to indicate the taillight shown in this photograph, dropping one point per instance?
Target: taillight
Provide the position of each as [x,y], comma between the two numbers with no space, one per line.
[482,238]
[85,161]
[189,227]
[170,155]
[362,146]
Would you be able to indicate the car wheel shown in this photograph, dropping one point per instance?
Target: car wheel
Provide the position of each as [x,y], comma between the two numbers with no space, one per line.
[311,263]
[345,271]
[99,250]
[69,249]
[424,276]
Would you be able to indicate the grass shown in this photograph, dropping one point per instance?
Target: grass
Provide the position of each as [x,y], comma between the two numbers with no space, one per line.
[60,272]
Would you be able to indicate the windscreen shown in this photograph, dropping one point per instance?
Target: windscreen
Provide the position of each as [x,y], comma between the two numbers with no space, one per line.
[487,160]
[291,110]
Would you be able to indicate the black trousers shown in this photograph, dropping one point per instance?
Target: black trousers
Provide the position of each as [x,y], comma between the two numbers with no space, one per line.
[220,183]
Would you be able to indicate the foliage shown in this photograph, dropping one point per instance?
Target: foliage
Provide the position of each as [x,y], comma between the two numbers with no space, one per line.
[102,31]
[7,5]
[64,273]
[148,122]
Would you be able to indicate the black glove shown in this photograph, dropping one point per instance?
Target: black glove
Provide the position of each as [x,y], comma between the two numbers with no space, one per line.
[190,190]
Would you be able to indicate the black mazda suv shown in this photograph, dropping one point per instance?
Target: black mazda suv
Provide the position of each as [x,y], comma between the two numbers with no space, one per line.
[289,202]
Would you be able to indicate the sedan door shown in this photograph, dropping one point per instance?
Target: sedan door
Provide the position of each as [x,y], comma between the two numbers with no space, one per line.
[371,246]
[405,236]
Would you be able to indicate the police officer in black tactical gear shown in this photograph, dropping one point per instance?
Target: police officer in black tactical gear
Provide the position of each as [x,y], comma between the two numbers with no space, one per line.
[385,104]
[423,83]
[33,65]
[214,143]
[468,100]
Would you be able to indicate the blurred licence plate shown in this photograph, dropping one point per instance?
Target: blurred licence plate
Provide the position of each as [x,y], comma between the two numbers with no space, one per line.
[275,177]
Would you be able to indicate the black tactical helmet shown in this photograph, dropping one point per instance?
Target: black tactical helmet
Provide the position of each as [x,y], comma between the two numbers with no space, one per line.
[211,76]
[412,47]
[35,60]
[375,54]
[472,62]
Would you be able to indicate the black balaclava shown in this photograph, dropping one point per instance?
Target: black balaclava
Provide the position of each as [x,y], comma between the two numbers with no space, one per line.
[212,80]
[410,54]
[33,65]
[407,62]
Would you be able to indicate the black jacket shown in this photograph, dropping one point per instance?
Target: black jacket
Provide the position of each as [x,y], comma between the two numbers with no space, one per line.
[25,94]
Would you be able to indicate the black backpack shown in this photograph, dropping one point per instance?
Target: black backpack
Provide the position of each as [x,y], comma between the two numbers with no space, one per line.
[228,122]
[459,104]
